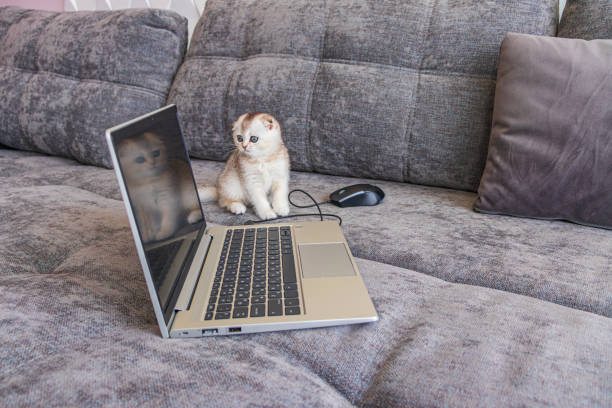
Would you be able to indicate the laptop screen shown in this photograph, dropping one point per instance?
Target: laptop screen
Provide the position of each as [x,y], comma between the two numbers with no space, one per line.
[163,198]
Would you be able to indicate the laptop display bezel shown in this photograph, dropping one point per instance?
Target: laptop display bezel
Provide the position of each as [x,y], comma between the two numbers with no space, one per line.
[132,128]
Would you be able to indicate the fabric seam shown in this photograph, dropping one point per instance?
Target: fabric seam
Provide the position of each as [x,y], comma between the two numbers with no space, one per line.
[347,62]
[312,90]
[88,80]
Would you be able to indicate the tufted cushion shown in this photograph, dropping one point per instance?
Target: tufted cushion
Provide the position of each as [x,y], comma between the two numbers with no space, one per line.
[587,19]
[66,77]
[399,90]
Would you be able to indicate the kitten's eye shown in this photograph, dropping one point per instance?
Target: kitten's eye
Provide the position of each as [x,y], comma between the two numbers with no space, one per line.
[156,153]
[140,159]
[239,138]
[254,139]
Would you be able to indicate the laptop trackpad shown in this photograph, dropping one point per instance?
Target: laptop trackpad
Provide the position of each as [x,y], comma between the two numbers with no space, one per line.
[325,260]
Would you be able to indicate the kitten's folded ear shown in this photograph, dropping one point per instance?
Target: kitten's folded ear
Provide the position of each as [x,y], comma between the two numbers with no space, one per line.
[269,121]
[236,125]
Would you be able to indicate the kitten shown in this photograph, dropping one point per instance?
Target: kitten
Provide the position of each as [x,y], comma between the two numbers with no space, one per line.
[163,201]
[258,167]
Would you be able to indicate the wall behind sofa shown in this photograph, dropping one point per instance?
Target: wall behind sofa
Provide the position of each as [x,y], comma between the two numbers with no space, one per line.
[192,9]
[52,5]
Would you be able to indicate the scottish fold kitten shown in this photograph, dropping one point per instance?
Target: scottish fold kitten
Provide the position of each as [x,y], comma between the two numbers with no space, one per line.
[162,196]
[256,169]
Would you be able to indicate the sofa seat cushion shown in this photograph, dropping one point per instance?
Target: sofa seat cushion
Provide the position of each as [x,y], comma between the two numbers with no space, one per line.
[78,329]
[429,230]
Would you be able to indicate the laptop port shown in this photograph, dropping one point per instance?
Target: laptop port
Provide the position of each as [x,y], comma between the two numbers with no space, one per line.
[209,332]
[235,329]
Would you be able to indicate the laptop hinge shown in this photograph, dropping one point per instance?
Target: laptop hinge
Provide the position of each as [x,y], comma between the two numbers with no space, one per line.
[184,299]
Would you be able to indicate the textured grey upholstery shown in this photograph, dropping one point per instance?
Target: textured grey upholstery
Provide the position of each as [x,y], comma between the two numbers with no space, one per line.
[429,230]
[586,19]
[398,90]
[66,77]
[78,328]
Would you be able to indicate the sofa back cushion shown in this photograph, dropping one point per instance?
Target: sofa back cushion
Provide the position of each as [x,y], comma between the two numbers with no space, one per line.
[587,19]
[394,89]
[66,77]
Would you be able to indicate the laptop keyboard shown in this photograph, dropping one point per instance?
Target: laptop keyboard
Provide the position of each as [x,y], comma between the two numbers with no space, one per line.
[255,276]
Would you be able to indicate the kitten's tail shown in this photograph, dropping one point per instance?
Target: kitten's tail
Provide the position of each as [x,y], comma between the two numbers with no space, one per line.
[208,193]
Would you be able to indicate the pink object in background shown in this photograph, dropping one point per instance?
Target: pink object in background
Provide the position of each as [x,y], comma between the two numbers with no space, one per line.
[54,5]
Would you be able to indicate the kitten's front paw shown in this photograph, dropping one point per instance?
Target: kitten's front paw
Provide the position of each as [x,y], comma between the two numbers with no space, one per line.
[237,208]
[266,214]
[281,207]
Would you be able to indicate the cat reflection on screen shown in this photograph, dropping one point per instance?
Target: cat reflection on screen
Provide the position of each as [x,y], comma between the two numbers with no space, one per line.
[160,187]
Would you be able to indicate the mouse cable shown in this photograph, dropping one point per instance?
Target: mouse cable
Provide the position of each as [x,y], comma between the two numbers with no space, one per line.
[315,204]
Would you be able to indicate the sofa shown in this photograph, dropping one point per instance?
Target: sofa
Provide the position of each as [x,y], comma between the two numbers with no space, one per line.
[474,309]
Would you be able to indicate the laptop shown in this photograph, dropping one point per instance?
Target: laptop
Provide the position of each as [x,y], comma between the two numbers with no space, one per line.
[219,280]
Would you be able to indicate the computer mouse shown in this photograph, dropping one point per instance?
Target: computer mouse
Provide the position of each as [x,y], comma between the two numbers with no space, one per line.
[356,195]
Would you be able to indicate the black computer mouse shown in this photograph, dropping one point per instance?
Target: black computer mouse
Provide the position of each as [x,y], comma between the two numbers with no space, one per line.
[356,195]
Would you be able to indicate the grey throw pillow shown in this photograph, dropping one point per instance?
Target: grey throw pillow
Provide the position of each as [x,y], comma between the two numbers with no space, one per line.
[66,77]
[586,19]
[396,89]
[550,154]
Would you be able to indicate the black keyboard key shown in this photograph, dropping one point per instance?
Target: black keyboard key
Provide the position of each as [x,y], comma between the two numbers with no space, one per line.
[224,308]
[222,315]
[291,294]
[211,307]
[274,295]
[226,299]
[226,292]
[244,286]
[294,310]
[290,286]
[292,302]
[241,302]
[208,316]
[289,269]
[240,312]
[258,299]
[273,287]
[258,310]
[259,291]
[275,307]
[242,295]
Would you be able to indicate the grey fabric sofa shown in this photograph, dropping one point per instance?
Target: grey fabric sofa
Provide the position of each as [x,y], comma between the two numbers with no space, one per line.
[475,310]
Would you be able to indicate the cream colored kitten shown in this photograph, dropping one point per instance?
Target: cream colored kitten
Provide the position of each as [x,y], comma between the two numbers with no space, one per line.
[258,167]
[162,194]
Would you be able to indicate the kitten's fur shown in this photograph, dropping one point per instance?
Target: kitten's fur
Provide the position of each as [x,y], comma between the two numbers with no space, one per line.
[254,170]
[154,181]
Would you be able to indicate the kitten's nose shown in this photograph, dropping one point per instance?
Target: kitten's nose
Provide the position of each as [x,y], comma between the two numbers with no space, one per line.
[244,146]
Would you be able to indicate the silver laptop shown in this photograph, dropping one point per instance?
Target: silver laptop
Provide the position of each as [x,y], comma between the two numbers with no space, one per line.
[207,281]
